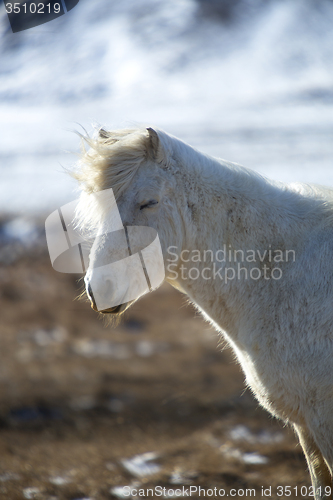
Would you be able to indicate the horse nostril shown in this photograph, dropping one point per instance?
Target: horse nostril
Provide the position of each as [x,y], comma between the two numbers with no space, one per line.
[91,297]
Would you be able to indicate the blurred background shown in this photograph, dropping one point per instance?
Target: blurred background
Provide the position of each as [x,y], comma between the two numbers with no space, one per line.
[245,80]
[250,81]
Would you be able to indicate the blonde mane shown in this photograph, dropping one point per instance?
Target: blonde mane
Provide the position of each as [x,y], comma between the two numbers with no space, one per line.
[112,160]
[114,157]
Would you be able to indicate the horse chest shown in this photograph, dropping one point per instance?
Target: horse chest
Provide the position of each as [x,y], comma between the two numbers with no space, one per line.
[270,383]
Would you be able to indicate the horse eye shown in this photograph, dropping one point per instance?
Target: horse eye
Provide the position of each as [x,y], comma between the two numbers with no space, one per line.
[149,204]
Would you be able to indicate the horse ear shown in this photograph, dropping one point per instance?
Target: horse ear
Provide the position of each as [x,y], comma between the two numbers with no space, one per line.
[154,149]
[103,133]
[107,136]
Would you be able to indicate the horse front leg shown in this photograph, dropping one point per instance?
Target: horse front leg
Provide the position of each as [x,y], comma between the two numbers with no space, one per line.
[319,471]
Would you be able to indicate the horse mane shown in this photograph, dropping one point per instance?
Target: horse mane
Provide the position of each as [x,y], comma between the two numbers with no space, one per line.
[112,160]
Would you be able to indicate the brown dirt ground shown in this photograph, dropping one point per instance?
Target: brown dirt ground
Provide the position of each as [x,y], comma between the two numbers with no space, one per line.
[77,397]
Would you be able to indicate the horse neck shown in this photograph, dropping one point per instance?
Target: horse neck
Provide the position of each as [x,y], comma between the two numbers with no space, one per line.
[233,209]
[229,204]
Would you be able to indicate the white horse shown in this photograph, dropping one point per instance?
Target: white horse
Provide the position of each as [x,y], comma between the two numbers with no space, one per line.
[254,256]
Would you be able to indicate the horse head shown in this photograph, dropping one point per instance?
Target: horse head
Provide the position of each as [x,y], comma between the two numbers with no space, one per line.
[128,183]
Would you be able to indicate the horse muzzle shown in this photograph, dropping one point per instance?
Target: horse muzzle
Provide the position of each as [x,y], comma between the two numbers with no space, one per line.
[114,310]
[111,310]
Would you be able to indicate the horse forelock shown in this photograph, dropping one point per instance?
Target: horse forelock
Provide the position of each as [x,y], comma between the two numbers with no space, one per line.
[112,160]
